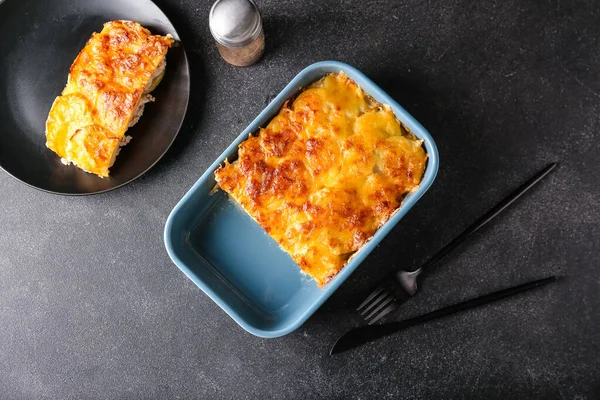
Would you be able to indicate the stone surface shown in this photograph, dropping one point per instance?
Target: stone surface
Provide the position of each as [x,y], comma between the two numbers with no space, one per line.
[92,307]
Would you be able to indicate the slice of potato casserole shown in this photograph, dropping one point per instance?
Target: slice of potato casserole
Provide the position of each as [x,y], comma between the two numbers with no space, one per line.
[109,82]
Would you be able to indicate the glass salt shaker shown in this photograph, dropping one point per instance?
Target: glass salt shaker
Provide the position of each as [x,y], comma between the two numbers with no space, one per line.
[236,26]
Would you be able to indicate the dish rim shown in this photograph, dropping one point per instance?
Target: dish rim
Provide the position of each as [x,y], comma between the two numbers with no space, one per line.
[430,173]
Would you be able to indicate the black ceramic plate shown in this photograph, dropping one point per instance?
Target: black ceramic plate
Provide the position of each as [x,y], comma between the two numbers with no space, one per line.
[39,39]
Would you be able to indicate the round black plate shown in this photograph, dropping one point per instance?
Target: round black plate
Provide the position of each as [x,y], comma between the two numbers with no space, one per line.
[39,39]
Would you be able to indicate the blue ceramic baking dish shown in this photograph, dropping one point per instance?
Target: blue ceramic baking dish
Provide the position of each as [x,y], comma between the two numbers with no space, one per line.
[236,263]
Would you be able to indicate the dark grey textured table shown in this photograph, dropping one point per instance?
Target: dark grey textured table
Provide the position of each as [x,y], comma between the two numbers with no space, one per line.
[92,307]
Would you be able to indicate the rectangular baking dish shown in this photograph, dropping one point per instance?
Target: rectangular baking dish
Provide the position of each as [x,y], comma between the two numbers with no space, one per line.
[236,263]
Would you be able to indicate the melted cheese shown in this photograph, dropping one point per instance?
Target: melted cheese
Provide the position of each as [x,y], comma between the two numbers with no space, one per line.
[107,83]
[328,171]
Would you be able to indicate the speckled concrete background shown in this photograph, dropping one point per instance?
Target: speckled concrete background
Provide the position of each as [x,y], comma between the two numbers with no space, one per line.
[92,307]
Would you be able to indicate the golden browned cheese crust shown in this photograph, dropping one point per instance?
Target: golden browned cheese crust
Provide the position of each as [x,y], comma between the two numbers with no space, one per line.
[105,86]
[328,171]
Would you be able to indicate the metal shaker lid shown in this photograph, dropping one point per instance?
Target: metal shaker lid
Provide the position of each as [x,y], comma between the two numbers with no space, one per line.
[235,23]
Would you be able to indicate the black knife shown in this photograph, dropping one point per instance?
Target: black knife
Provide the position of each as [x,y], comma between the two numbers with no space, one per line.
[364,334]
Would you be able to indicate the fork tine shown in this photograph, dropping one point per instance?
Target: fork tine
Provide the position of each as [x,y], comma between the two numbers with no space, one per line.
[376,301]
[384,303]
[373,294]
[384,312]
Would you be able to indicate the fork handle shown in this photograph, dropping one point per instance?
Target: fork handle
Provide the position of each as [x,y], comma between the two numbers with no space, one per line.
[490,215]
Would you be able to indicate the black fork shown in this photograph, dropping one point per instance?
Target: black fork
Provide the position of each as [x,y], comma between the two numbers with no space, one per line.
[401,285]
